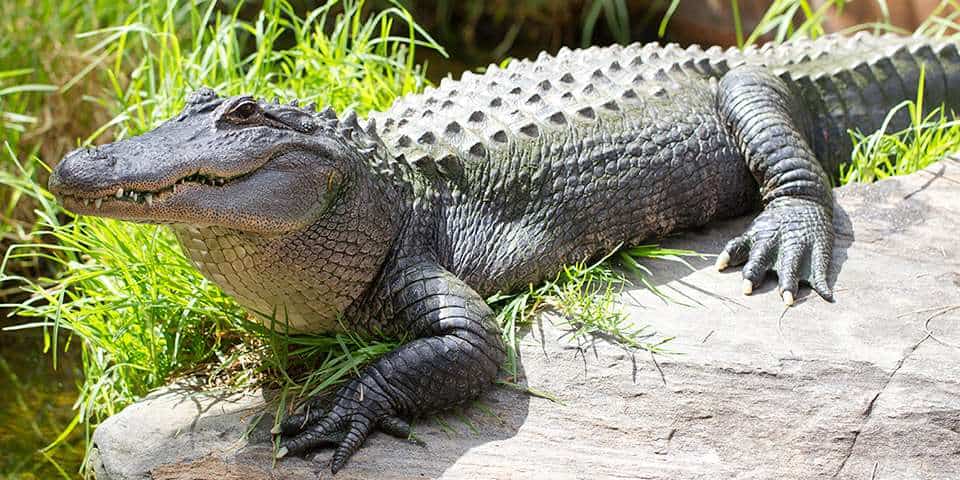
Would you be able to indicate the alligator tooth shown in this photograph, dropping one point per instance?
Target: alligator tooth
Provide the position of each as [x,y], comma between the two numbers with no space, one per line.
[149,198]
[86,202]
[136,197]
[119,194]
[97,203]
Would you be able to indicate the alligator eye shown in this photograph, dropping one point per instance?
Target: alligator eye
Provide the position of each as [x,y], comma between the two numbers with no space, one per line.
[243,111]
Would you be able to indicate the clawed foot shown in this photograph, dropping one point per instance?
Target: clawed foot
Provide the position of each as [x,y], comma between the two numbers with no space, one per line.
[793,237]
[357,411]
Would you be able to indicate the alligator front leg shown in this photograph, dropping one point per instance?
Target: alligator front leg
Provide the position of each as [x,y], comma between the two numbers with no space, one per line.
[454,357]
[794,234]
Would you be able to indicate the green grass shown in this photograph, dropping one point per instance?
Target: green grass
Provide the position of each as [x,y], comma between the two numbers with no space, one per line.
[779,20]
[881,154]
[588,298]
[616,13]
[38,54]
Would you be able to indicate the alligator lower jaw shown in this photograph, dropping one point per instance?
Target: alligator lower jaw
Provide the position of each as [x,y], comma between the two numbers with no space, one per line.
[130,201]
[132,205]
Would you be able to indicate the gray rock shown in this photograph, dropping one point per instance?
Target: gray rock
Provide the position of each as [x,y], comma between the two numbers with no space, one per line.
[868,387]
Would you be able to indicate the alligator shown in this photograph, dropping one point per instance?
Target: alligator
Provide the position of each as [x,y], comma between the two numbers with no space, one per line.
[401,224]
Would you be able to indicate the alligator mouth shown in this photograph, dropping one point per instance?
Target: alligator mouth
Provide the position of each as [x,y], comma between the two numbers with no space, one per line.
[123,199]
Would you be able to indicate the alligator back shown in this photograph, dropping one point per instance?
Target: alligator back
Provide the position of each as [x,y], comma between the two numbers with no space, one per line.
[567,156]
[855,81]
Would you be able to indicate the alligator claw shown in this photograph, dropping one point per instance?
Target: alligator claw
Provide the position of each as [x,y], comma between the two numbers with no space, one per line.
[794,238]
[723,260]
[345,426]
[787,297]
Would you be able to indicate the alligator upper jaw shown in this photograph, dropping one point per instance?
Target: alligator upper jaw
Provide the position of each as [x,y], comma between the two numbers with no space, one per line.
[135,203]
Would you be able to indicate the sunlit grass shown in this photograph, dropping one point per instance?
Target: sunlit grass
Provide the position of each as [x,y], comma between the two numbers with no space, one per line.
[38,114]
[587,297]
[884,153]
[779,20]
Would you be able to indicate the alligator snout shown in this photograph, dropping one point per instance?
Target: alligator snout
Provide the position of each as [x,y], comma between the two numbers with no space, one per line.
[83,171]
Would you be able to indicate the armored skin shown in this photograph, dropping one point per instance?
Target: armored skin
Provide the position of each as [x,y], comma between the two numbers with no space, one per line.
[402,224]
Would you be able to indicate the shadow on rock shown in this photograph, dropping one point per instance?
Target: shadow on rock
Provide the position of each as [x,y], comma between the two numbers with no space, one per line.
[181,432]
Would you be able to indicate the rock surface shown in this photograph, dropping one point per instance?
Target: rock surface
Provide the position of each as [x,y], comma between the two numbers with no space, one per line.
[867,387]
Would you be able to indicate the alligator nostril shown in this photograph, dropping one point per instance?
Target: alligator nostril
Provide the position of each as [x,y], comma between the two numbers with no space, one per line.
[100,156]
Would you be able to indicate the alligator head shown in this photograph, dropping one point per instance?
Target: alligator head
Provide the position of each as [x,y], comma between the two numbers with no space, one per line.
[234,162]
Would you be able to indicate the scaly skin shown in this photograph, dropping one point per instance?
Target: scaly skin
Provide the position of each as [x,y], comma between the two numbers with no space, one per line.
[486,184]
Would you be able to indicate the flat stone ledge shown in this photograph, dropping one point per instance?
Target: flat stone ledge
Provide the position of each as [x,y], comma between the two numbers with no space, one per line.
[867,387]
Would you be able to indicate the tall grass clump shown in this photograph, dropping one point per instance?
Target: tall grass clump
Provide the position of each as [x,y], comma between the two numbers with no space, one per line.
[929,137]
[124,294]
[38,55]
[881,154]
[44,72]
[784,19]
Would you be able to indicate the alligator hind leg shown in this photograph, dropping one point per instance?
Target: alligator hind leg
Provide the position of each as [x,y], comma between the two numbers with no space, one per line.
[794,234]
